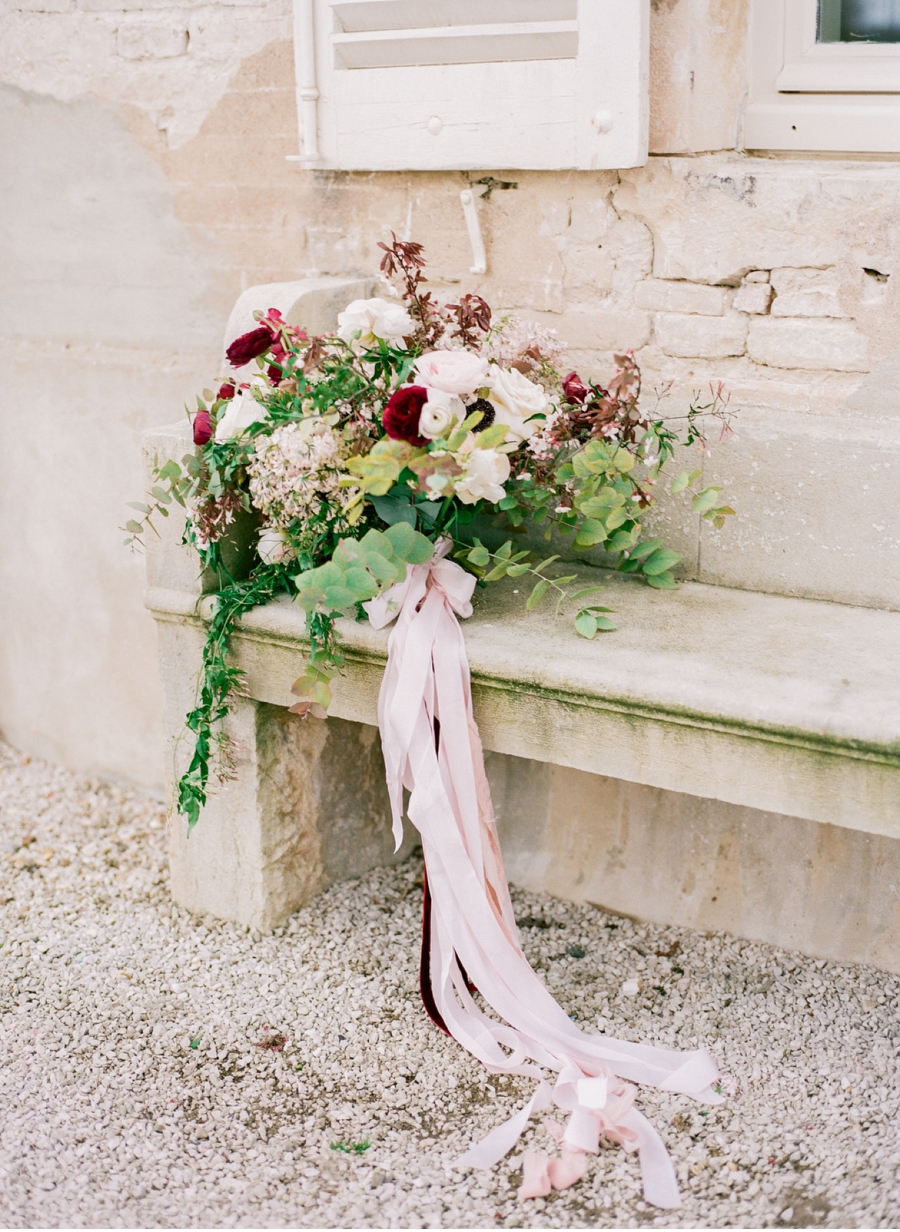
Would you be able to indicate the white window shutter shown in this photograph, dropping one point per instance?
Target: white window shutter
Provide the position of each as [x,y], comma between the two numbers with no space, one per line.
[431,85]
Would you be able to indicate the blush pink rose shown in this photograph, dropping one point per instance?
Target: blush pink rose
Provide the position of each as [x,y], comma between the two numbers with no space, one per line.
[453,372]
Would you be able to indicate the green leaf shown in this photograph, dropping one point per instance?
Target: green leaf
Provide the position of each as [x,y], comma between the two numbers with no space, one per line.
[479,556]
[391,510]
[623,539]
[644,549]
[384,570]
[493,436]
[705,500]
[663,581]
[134,527]
[590,533]
[498,571]
[361,582]
[545,563]
[536,595]
[428,510]
[337,598]
[599,506]
[680,482]
[508,502]
[586,624]
[588,590]
[374,541]
[137,505]
[518,570]
[402,538]
[421,551]
[605,625]
[660,561]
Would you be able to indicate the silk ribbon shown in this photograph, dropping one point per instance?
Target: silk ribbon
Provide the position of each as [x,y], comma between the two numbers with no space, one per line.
[472,931]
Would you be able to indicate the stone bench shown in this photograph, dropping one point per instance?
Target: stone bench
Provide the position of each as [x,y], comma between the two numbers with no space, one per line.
[775,705]
[727,759]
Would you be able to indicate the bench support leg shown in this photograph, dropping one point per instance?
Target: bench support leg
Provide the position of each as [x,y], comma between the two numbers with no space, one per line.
[304,805]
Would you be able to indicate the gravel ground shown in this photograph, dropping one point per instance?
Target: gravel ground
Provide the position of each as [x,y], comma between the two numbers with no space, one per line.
[159,1070]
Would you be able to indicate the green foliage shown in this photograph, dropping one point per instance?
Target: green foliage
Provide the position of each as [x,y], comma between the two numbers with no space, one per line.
[351,1148]
[489,566]
[362,568]
[219,681]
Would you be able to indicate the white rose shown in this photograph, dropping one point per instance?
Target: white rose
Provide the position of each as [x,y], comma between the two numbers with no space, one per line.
[515,400]
[486,472]
[375,318]
[243,410]
[272,546]
[439,414]
[456,372]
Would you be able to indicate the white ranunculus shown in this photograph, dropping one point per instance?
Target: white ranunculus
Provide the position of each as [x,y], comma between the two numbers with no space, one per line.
[456,372]
[515,400]
[375,318]
[439,413]
[272,546]
[487,470]
[242,411]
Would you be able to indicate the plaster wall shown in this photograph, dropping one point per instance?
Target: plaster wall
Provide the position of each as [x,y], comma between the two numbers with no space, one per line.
[146,186]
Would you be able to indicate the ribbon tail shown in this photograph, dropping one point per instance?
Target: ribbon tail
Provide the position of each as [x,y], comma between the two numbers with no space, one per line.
[657,1171]
[500,1141]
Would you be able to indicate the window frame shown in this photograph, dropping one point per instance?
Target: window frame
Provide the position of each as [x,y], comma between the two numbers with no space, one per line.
[809,97]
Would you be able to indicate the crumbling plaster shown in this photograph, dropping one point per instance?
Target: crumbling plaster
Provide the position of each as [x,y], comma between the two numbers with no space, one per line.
[150,186]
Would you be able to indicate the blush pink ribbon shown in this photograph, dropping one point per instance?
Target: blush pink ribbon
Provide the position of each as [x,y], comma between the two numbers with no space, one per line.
[426,690]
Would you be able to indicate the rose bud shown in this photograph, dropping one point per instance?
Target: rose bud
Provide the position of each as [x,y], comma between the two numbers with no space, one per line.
[203,427]
[401,415]
[248,346]
[226,391]
[574,388]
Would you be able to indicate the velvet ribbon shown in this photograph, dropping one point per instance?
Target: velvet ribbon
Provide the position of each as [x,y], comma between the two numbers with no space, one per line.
[471,931]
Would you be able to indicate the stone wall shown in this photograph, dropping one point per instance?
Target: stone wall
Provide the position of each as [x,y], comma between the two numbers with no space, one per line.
[150,186]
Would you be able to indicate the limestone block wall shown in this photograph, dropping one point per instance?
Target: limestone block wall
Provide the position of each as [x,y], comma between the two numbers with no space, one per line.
[149,186]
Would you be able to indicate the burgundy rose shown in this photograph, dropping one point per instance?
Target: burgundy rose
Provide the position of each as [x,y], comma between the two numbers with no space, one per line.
[226,390]
[203,427]
[574,388]
[401,415]
[248,346]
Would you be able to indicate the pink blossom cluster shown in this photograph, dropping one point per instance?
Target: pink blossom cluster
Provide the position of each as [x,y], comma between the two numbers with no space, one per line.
[517,340]
[296,471]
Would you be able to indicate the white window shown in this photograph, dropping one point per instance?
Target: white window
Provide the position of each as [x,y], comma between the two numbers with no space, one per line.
[468,84]
[825,75]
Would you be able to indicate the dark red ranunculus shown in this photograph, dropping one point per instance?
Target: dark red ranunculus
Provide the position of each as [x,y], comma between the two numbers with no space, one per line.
[203,427]
[401,415]
[226,390]
[574,388]
[248,346]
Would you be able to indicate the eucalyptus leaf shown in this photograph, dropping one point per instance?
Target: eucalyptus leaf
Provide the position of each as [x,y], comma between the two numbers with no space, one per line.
[586,624]
[540,589]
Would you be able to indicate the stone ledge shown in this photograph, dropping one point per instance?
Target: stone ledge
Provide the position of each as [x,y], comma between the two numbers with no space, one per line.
[774,703]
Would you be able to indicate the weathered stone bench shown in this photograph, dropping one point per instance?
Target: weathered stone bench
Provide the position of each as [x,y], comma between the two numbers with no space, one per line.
[726,759]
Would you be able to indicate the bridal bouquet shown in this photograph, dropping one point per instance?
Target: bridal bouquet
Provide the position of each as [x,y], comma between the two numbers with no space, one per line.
[365,458]
[357,452]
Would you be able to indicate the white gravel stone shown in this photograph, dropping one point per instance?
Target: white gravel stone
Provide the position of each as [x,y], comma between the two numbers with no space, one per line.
[159,1070]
